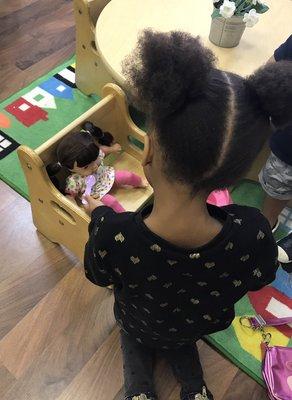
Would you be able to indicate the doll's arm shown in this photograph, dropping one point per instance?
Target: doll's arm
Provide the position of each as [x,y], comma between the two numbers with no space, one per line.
[115,148]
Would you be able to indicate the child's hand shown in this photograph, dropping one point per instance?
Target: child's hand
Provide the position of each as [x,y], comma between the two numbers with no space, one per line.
[91,204]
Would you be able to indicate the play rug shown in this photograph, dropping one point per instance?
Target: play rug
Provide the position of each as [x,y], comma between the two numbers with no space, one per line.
[37,112]
[242,345]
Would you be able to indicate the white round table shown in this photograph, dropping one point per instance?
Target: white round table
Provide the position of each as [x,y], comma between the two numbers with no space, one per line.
[121,21]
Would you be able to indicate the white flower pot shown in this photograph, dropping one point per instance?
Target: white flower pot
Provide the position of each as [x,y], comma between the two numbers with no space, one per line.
[226,32]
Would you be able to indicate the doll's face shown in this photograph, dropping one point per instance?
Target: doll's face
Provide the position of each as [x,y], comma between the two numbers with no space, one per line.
[88,169]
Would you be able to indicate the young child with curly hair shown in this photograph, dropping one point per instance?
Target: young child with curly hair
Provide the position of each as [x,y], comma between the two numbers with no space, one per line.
[179,266]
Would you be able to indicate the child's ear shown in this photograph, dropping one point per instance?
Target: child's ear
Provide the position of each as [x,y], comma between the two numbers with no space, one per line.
[148,151]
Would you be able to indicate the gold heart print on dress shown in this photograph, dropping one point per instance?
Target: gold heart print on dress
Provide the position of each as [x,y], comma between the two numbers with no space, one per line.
[229,246]
[202,283]
[171,262]
[238,221]
[194,256]
[119,237]
[149,296]
[207,317]
[102,253]
[237,283]
[156,248]
[133,286]
[189,321]
[209,265]
[118,271]
[257,272]
[152,278]
[260,235]
[135,260]
[244,258]
[215,293]
[140,397]
[162,305]
[195,301]
[187,274]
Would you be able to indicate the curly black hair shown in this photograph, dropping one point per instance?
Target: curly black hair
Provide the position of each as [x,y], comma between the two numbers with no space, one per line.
[210,124]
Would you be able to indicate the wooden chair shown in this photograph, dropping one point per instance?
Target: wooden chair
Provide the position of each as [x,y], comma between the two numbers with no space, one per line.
[55,216]
[91,73]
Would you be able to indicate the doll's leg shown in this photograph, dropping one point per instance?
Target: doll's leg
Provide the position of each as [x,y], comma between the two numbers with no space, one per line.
[110,201]
[127,178]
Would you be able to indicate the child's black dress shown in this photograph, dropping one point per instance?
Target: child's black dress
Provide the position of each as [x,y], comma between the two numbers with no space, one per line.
[167,297]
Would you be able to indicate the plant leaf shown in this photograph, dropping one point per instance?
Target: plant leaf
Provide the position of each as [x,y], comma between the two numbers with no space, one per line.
[262,8]
[216,13]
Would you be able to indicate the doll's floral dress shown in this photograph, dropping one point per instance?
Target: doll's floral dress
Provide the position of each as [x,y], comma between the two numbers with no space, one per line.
[105,178]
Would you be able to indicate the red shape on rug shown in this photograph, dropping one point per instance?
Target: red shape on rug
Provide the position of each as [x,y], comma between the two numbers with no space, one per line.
[26,113]
[263,298]
[4,121]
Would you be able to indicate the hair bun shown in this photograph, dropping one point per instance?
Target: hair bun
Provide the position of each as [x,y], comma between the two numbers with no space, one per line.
[165,69]
[53,168]
[273,86]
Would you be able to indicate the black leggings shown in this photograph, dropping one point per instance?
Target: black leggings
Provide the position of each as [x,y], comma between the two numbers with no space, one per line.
[138,368]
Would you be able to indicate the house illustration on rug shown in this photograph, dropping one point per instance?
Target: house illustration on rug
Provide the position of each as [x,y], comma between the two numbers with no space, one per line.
[25,112]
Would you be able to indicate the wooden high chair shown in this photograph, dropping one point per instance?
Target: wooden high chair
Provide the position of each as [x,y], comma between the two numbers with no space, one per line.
[54,215]
[91,73]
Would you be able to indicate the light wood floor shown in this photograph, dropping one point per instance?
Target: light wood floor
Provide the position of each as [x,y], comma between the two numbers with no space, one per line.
[58,339]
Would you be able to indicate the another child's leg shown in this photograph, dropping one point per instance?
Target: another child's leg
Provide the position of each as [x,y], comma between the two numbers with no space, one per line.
[186,366]
[276,180]
[272,208]
[110,201]
[127,178]
[138,368]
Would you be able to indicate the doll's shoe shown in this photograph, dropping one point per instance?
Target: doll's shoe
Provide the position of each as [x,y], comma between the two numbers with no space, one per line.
[141,396]
[285,249]
[204,395]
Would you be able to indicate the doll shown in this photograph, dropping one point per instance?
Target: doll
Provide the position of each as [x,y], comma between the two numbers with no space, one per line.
[82,154]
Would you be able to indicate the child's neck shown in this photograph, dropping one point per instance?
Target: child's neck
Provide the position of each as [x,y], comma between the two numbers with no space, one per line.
[181,220]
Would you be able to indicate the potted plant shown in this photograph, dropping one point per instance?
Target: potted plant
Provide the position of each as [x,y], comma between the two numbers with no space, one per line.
[230,18]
